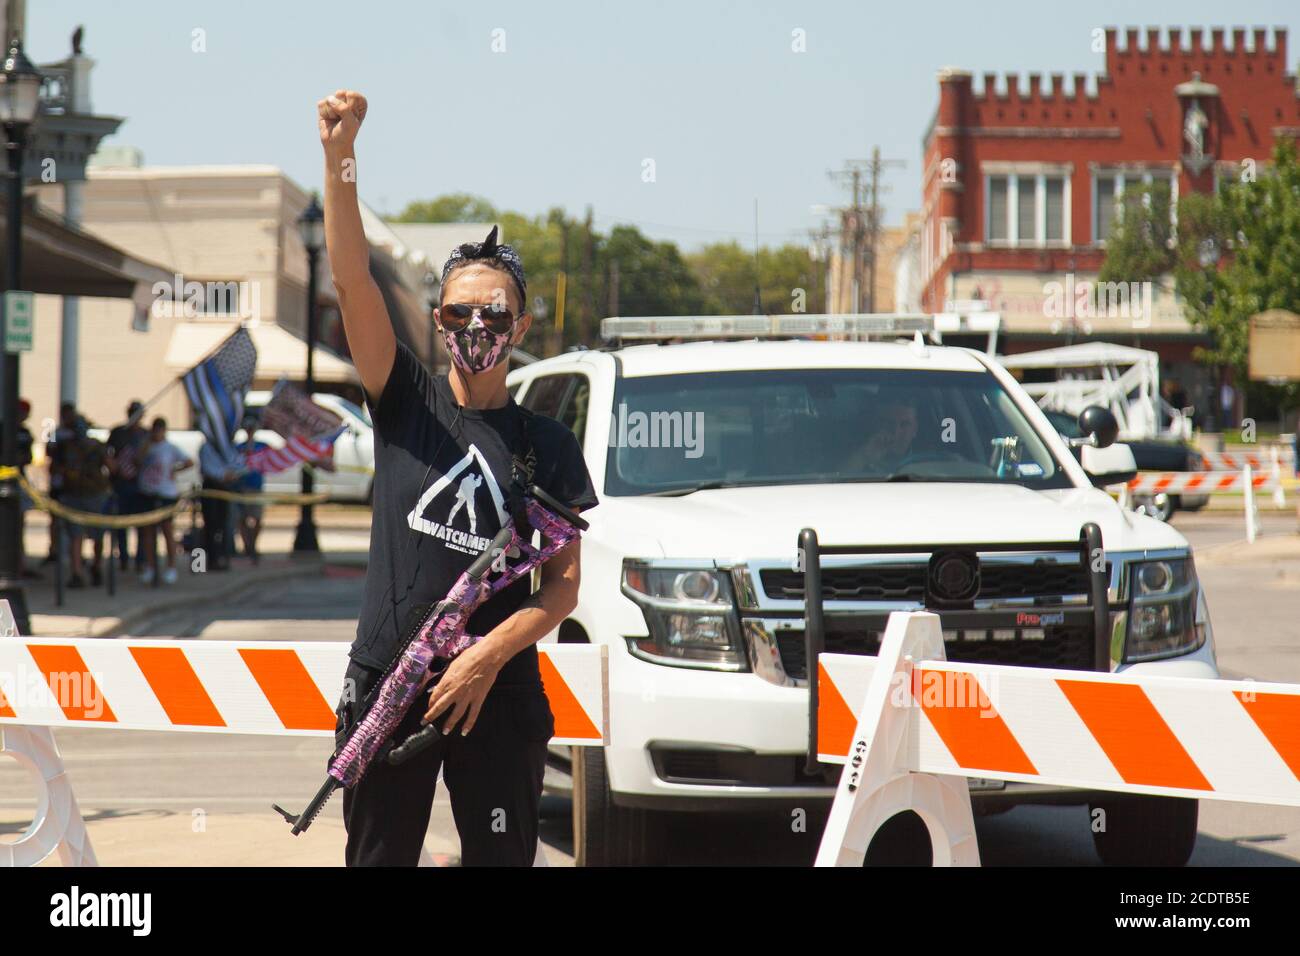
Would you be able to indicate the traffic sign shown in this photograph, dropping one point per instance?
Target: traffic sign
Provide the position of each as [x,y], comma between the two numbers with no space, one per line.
[18,321]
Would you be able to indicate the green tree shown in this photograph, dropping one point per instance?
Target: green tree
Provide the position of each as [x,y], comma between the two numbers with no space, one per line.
[1233,254]
[453,207]
[787,277]
[652,277]
[1239,254]
[1140,246]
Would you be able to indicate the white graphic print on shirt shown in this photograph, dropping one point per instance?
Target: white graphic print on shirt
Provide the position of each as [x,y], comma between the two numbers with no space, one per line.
[460,498]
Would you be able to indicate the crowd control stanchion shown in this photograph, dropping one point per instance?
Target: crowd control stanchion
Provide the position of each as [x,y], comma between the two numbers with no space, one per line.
[1275,472]
[1252,513]
[56,536]
[111,577]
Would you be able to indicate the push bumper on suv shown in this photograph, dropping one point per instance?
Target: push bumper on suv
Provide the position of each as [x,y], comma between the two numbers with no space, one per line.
[712,739]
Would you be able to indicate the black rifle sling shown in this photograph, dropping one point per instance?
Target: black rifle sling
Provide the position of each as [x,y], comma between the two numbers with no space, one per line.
[523,464]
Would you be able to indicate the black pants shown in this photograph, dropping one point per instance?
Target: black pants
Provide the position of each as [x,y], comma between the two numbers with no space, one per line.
[215,513]
[493,776]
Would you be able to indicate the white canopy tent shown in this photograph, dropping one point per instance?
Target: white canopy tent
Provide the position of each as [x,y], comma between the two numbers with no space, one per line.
[1123,379]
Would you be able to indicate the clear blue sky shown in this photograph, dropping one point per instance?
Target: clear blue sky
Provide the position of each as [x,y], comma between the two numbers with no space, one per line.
[584,92]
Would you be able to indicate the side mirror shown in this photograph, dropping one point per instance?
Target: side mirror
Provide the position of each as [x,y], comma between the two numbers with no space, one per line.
[1099,423]
[1112,465]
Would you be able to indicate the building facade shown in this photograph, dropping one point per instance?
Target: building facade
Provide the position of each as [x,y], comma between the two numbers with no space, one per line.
[1022,179]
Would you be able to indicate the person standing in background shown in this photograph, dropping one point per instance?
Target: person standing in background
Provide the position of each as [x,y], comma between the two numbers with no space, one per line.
[221,476]
[161,463]
[85,484]
[1227,402]
[126,445]
[25,444]
[248,514]
[64,432]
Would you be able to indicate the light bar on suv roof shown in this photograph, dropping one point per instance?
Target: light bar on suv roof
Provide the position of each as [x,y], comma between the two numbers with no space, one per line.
[661,328]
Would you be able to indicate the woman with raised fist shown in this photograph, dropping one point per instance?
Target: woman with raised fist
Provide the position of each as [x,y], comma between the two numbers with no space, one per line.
[434,435]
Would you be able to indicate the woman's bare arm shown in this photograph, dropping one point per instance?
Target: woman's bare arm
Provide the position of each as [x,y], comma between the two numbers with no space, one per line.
[365,318]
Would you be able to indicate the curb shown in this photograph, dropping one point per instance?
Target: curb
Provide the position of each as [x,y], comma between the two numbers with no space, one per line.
[110,627]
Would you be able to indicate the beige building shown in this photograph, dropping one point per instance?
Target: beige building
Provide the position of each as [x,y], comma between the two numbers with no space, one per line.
[889,246]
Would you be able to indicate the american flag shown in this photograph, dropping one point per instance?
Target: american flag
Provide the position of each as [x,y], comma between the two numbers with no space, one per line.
[216,388]
[268,461]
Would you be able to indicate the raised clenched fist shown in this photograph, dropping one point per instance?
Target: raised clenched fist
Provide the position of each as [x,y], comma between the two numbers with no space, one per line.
[341,115]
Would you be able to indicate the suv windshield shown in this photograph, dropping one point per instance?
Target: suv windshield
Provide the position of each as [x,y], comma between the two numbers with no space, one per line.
[673,434]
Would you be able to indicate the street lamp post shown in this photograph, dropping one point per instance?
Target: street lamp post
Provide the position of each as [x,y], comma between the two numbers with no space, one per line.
[311,226]
[20,85]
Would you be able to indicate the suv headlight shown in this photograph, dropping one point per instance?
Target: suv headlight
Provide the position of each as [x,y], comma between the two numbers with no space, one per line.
[1162,610]
[691,616]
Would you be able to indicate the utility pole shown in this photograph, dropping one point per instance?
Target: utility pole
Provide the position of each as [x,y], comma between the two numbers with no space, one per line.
[588,281]
[860,226]
[564,271]
[821,253]
[873,228]
[613,287]
[852,232]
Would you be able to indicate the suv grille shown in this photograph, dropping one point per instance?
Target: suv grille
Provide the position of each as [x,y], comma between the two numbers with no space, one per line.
[1067,647]
[906,582]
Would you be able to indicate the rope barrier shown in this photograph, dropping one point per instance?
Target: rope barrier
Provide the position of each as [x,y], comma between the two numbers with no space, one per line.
[90,519]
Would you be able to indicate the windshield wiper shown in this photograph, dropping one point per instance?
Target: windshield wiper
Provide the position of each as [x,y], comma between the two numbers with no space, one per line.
[691,489]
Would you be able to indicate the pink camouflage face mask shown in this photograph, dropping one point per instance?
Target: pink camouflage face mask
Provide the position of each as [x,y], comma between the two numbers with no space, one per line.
[476,348]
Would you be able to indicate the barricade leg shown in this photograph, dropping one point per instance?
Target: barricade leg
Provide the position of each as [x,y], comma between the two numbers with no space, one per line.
[58,824]
[876,783]
[1279,495]
[1252,515]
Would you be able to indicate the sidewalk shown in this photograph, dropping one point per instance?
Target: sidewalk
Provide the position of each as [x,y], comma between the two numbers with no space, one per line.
[92,612]
[1274,551]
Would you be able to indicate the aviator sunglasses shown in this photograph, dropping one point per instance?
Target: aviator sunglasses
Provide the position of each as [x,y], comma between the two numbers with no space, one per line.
[456,315]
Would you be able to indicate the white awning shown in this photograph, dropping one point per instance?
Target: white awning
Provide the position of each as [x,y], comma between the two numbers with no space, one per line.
[280,354]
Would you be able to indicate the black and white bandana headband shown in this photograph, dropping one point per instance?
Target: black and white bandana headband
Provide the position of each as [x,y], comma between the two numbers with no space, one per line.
[502,255]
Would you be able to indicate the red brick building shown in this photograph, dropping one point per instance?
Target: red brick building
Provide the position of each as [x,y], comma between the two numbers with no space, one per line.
[1021,178]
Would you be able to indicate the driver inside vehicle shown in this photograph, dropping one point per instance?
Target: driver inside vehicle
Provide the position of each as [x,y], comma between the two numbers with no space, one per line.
[892,426]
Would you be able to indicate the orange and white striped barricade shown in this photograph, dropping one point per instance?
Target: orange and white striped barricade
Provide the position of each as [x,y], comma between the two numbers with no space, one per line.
[1261,458]
[924,723]
[1200,482]
[280,688]
[1247,481]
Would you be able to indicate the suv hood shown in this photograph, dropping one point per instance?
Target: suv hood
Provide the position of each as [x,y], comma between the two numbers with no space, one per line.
[747,523]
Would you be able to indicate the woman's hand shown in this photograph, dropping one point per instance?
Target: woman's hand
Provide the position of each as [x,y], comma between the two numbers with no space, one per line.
[463,687]
[341,115]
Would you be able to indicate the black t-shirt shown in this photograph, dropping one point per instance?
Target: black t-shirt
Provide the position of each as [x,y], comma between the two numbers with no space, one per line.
[442,477]
[128,444]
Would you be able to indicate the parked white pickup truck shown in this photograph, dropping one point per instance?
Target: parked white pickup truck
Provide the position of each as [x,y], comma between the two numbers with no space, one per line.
[354,451]
[711,457]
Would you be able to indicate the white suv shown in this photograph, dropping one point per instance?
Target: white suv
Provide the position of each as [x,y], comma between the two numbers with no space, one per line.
[944,487]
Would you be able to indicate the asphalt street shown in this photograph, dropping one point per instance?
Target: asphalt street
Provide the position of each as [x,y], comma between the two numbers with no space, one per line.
[156,798]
